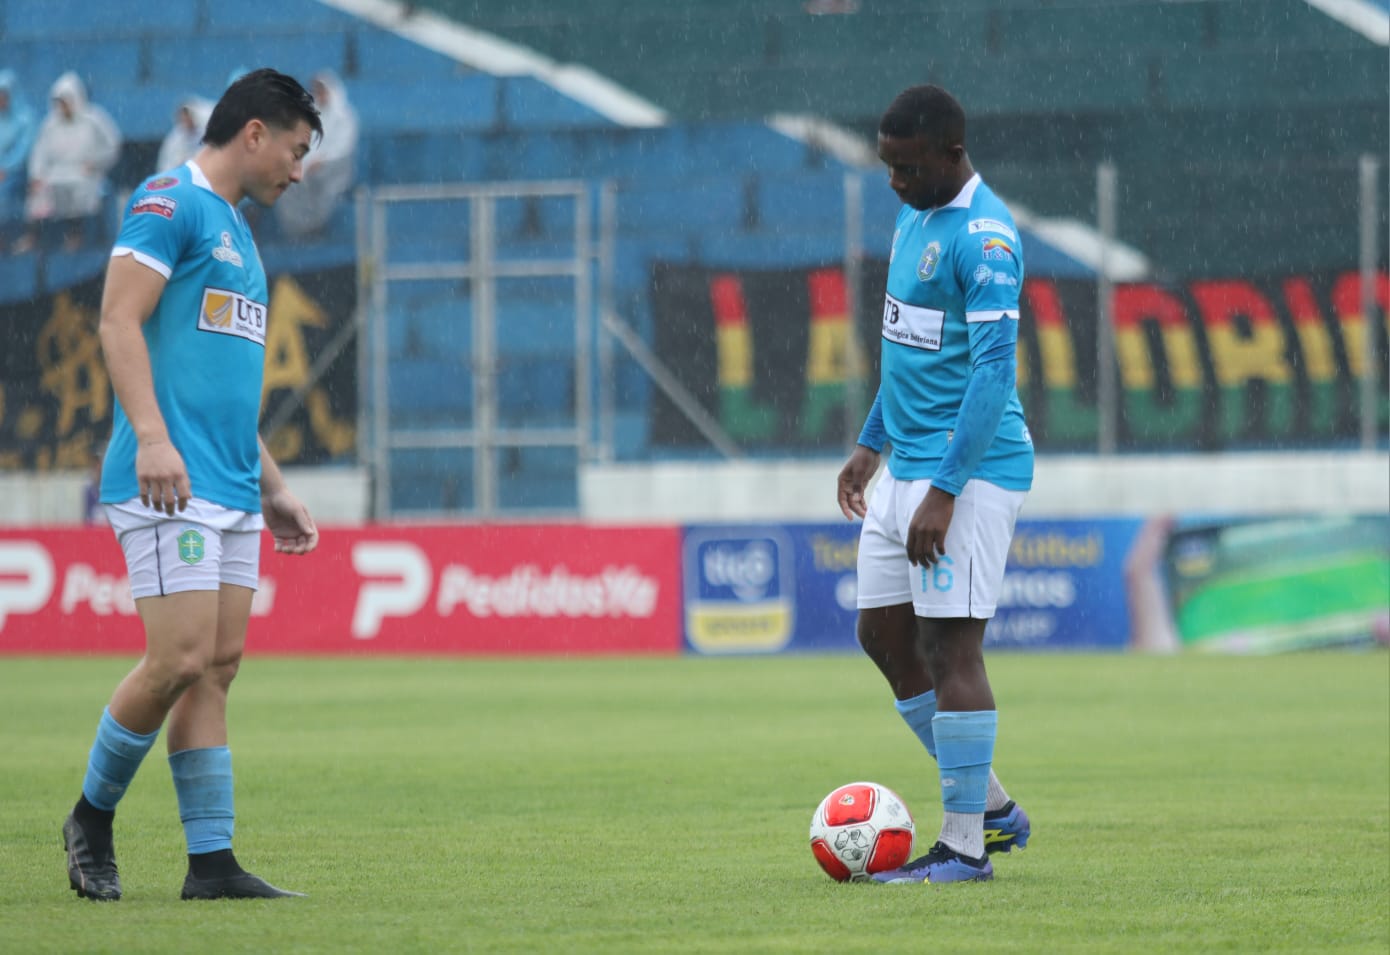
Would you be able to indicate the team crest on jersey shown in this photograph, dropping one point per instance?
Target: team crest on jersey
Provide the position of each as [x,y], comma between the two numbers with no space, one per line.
[162,206]
[231,313]
[926,266]
[225,252]
[163,182]
[996,249]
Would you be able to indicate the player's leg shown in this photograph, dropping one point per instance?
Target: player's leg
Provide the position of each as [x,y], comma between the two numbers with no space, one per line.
[199,757]
[958,720]
[178,642]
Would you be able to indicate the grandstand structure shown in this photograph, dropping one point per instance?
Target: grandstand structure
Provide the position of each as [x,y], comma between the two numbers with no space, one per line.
[1236,126]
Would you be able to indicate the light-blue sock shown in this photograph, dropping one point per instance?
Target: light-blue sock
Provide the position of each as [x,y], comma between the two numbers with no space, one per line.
[964,752]
[203,783]
[917,712]
[116,755]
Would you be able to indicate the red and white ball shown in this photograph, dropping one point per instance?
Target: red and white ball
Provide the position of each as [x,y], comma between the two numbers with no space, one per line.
[860,829]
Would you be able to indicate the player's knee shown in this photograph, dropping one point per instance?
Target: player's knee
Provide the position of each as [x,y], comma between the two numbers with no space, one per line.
[173,673]
[224,669]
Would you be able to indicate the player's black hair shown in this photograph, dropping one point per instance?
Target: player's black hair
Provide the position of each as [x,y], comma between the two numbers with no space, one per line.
[927,111]
[270,96]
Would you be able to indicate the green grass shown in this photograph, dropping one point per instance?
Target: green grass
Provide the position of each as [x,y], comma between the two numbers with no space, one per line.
[1185,804]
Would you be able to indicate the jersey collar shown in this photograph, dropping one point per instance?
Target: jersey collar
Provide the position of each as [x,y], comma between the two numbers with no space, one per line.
[966,194]
[200,179]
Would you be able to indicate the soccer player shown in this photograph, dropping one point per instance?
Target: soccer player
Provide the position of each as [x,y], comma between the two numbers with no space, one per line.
[187,484]
[937,528]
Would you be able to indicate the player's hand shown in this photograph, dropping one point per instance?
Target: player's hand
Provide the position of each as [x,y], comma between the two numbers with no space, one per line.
[854,478]
[926,532]
[161,476]
[289,523]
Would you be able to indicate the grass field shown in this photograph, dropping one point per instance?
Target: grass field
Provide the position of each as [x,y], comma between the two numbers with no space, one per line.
[1189,804]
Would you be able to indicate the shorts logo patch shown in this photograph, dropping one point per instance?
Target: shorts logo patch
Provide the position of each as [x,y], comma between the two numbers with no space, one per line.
[163,182]
[926,266]
[190,546]
[154,206]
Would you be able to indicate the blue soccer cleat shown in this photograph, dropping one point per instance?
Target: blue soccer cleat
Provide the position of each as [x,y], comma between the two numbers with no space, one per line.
[941,864]
[1006,829]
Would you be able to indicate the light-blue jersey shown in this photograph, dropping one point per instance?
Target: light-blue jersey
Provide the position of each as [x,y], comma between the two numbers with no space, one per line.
[206,339]
[954,276]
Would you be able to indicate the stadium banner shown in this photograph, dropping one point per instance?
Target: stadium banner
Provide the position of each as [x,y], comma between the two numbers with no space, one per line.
[1245,585]
[56,400]
[1209,364]
[559,589]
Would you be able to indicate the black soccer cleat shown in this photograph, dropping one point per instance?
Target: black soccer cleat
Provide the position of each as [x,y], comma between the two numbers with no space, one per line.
[91,863]
[243,885]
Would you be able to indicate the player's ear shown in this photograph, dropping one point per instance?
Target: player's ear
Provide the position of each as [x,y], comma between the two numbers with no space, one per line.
[254,133]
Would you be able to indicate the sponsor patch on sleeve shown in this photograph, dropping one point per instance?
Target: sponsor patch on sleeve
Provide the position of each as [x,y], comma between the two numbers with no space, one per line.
[991,225]
[162,182]
[996,250]
[154,206]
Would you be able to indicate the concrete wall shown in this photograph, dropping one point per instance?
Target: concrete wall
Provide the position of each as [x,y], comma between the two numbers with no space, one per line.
[674,492]
[1064,486]
[334,496]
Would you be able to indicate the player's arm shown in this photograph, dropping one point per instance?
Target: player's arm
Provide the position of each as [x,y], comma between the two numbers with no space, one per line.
[128,299]
[991,315]
[993,373]
[288,520]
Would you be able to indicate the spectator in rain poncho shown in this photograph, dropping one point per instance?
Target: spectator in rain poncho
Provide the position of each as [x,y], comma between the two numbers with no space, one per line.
[16,139]
[184,139]
[330,165]
[77,145]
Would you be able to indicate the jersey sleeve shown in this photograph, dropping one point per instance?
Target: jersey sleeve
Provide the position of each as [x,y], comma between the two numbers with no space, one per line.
[155,229]
[989,265]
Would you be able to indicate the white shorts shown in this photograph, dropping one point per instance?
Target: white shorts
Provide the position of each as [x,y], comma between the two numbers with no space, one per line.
[966,581]
[200,548]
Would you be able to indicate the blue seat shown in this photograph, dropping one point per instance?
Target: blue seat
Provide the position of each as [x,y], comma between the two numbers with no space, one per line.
[202,61]
[385,57]
[66,269]
[19,277]
[453,103]
[536,391]
[145,113]
[802,201]
[424,390]
[444,327]
[432,479]
[538,479]
[105,65]
[259,16]
[531,104]
[83,18]
[661,208]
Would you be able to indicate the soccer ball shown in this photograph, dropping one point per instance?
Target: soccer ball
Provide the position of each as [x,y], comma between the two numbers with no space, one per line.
[860,829]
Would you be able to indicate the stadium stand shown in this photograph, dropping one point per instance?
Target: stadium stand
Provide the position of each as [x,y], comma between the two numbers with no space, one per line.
[1207,106]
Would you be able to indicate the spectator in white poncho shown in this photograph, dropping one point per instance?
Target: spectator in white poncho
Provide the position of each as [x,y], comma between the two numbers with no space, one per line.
[185,137]
[76,146]
[329,168]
